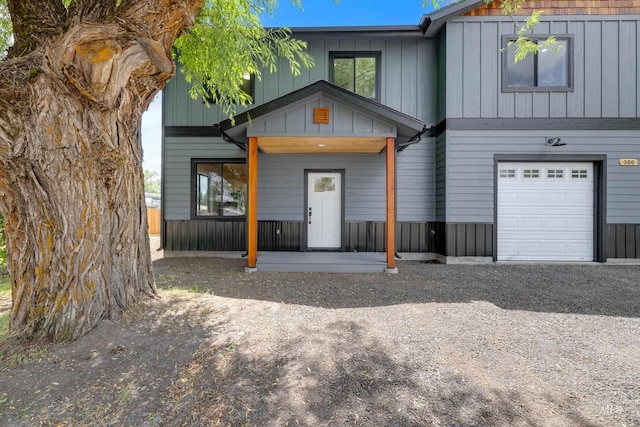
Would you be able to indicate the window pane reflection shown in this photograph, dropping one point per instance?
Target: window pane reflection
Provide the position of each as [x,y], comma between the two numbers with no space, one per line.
[325,184]
[221,189]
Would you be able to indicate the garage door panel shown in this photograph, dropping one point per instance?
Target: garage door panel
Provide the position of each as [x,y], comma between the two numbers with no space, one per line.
[509,224]
[515,211]
[545,211]
[530,198]
[530,223]
[546,251]
[508,199]
[546,236]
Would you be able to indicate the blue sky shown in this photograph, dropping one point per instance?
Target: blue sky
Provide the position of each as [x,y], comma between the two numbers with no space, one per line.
[347,12]
[315,13]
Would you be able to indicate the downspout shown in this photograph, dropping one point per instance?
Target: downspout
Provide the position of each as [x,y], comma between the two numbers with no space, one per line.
[227,138]
[415,139]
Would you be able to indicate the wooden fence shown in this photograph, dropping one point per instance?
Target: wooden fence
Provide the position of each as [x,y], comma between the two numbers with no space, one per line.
[153,219]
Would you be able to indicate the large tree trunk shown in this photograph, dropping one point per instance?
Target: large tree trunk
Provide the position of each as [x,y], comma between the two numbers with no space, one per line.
[77,231]
[71,182]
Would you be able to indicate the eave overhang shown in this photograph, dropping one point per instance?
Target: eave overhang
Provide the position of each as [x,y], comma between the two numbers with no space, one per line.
[385,122]
[432,23]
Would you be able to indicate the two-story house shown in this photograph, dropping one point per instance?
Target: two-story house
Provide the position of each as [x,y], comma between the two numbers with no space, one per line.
[423,139]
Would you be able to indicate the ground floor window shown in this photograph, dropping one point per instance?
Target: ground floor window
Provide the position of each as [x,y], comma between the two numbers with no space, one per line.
[220,188]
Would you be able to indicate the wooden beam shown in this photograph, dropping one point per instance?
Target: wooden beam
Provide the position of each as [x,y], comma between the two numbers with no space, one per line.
[252,205]
[320,144]
[391,203]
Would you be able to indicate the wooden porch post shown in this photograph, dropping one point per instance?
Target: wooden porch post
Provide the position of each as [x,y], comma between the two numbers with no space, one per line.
[391,205]
[252,205]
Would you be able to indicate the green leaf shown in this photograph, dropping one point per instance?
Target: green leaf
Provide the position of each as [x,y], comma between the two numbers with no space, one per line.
[227,41]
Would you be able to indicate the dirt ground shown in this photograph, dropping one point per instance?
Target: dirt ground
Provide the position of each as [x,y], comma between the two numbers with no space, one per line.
[433,345]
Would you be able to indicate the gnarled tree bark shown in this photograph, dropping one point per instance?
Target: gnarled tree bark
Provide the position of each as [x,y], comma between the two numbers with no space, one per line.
[71,179]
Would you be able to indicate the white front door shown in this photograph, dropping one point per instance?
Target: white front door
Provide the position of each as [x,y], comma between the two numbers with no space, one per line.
[324,210]
[545,211]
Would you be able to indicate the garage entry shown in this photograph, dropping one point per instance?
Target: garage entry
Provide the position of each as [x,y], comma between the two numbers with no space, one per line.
[545,211]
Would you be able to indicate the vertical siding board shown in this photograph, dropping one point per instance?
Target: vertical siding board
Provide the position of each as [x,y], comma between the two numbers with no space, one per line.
[347,45]
[460,239]
[489,75]
[628,88]
[441,75]
[380,46]
[426,81]
[524,105]
[506,101]
[320,55]
[363,45]
[576,99]
[455,69]
[393,75]
[463,239]
[169,101]
[479,249]
[621,243]
[470,239]
[593,69]
[610,69]
[541,105]
[180,108]
[488,240]
[471,78]
[271,88]
[409,78]
[558,101]
[630,240]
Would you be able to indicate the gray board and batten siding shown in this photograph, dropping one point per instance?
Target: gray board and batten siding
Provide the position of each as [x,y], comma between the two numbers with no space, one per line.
[403,88]
[408,85]
[407,71]
[296,119]
[477,121]
[605,65]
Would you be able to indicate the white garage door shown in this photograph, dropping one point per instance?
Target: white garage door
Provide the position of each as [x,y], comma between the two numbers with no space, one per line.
[545,211]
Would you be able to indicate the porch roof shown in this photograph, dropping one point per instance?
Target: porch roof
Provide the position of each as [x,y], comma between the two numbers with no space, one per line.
[354,124]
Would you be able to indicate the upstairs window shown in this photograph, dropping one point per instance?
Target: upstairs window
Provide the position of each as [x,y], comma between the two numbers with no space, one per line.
[220,188]
[247,86]
[358,72]
[550,70]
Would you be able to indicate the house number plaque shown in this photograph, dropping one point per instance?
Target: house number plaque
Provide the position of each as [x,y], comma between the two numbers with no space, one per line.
[628,162]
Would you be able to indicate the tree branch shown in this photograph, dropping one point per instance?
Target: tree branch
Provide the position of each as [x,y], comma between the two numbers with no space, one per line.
[35,22]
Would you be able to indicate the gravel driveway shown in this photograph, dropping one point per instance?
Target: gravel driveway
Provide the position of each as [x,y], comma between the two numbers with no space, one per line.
[547,345]
[434,345]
